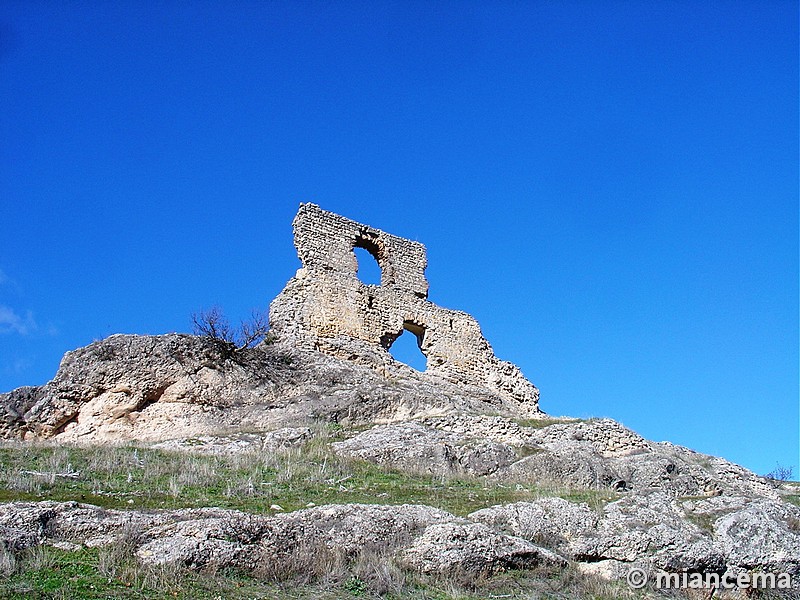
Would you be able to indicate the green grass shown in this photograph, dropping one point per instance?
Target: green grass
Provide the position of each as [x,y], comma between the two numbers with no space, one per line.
[541,423]
[596,499]
[87,574]
[793,498]
[138,477]
[112,573]
[144,478]
[704,521]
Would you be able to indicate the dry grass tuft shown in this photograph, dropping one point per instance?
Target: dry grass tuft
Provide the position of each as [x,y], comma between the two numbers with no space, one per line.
[8,563]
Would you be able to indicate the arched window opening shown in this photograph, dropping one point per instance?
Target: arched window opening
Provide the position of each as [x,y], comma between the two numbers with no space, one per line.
[407,347]
[369,271]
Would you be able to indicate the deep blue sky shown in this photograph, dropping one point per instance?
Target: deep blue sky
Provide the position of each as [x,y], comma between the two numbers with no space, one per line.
[611,189]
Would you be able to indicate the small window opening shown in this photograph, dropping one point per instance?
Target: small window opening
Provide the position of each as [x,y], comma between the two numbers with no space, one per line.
[369,271]
[407,347]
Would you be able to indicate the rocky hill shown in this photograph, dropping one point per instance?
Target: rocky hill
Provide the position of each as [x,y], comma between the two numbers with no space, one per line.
[589,497]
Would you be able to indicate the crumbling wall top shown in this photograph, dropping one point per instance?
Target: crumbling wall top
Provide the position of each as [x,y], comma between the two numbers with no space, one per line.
[325,241]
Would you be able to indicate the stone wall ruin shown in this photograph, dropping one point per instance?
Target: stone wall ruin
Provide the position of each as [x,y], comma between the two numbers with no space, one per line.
[327,308]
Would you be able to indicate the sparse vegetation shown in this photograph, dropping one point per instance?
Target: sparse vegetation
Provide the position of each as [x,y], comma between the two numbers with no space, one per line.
[546,422]
[793,524]
[111,572]
[145,478]
[780,473]
[230,340]
[704,521]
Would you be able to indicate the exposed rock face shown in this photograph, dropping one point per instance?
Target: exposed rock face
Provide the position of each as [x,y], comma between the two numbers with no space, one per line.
[416,448]
[649,527]
[145,386]
[603,436]
[649,531]
[599,453]
[473,548]
[164,387]
[424,538]
[765,534]
[677,510]
[554,522]
[326,302]
[656,531]
[238,443]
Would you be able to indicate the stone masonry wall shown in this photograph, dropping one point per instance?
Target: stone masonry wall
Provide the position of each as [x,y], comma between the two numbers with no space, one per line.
[326,302]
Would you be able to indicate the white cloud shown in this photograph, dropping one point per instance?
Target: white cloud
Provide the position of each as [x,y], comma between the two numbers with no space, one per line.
[11,322]
[20,365]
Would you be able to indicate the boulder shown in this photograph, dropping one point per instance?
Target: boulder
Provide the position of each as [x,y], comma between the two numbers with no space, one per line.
[413,447]
[474,548]
[550,522]
[765,534]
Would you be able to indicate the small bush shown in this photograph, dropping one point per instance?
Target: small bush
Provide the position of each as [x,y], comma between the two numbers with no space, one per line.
[231,341]
[780,473]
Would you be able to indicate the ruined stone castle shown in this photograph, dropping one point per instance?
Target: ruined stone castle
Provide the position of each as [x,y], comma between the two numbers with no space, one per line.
[326,307]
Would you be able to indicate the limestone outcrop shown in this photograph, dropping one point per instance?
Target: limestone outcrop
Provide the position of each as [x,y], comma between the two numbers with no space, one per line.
[593,454]
[130,387]
[420,537]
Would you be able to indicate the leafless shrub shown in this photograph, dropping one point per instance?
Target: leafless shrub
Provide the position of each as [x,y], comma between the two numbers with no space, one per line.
[254,330]
[231,341]
[105,352]
[780,473]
